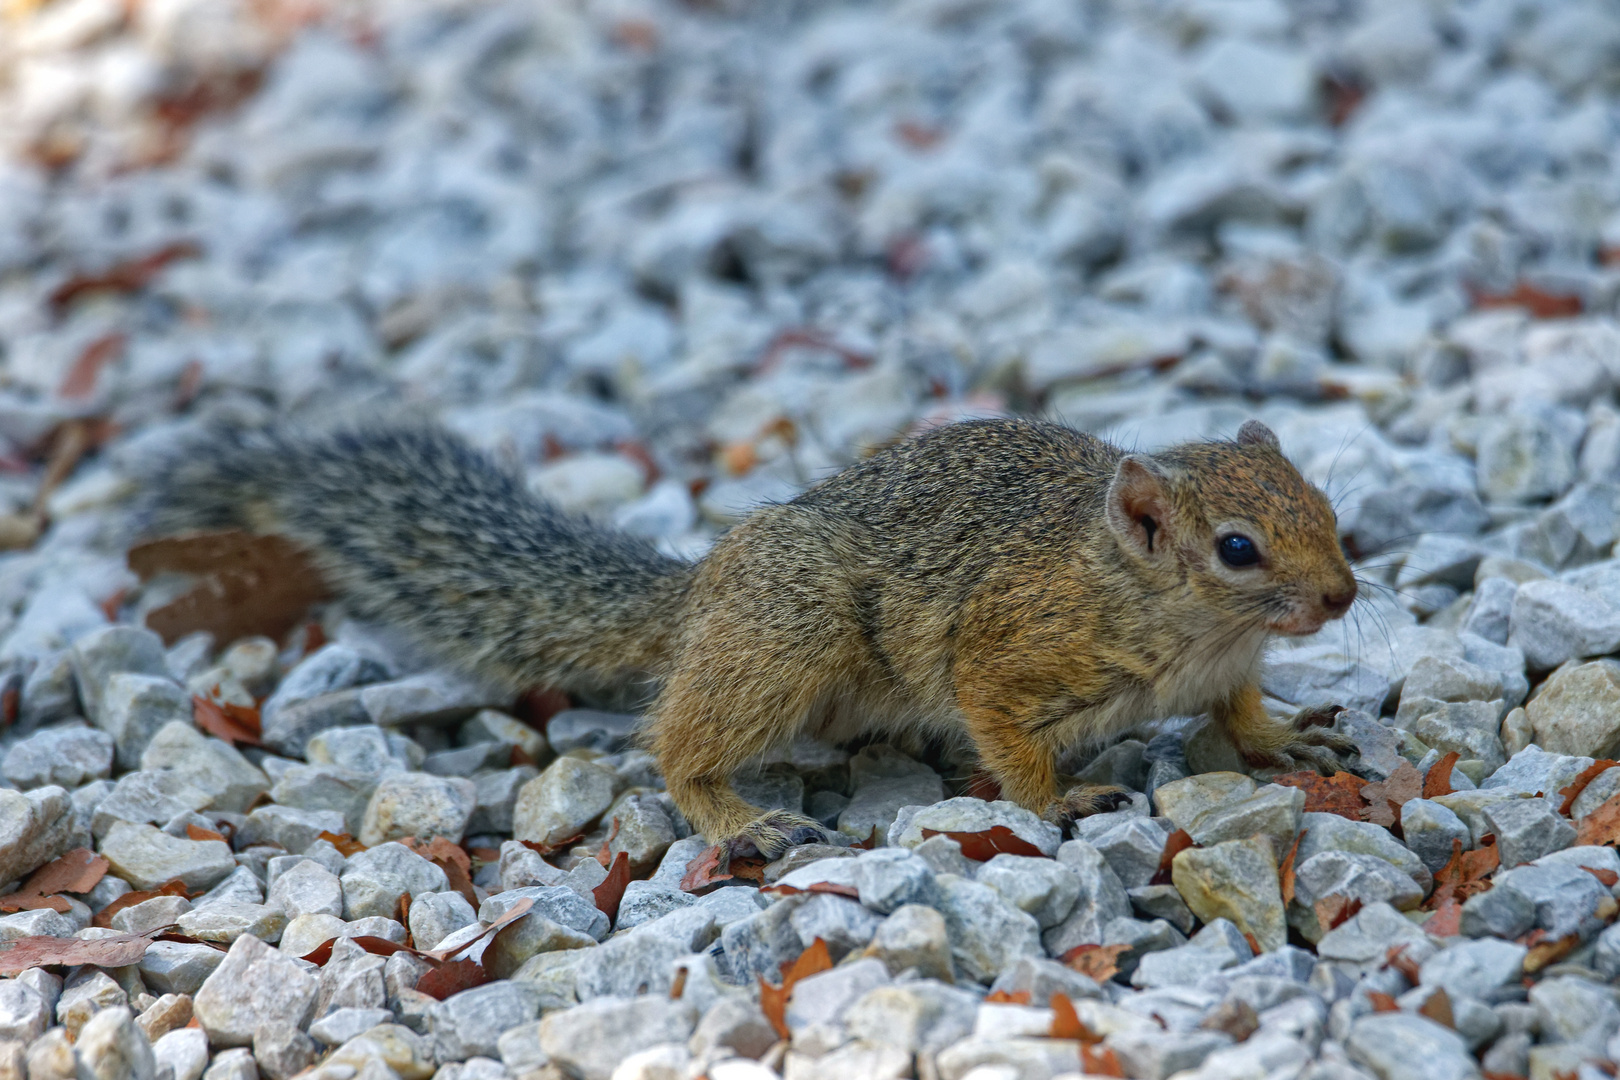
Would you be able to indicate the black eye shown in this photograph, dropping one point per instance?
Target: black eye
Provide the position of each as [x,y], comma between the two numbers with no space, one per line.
[1238,551]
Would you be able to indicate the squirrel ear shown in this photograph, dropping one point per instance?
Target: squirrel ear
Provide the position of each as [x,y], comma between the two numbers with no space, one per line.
[1254,433]
[1139,506]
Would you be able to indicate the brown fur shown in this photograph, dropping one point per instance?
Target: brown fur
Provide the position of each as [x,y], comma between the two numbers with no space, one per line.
[1015,585]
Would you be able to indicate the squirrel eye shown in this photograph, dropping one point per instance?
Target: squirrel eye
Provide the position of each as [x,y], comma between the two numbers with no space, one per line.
[1238,551]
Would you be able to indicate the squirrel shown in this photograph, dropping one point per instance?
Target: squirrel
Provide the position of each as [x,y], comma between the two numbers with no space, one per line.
[1014,585]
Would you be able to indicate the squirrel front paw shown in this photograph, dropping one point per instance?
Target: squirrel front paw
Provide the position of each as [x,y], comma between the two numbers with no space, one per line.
[773,832]
[1083,800]
[1306,742]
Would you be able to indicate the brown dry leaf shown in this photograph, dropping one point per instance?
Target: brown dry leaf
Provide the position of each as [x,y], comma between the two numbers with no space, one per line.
[546,850]
[1386,797]
[1003,997]
[831,887]
[513,914]
[1397,958]
[1465,872]
[452,978]
[402,915]
[1578,785]
[452,859]
[197,832]
[1066,1023]
[124,277]
[1609,878]
[1099,1061]
[113,951]
[706,871]
[1285,870]
[609,894]
[1438,1009]
[249,584]
[211,717]
[773,999]
[76,872]
[172,887]
[1382,1002]
[1234,1016]
[1174,845]
[26,901]
[1601,826]
[1099,962]
[603,854]
[981,785]
[1446,920]
[1337,794]
[375,945]
[1333,911]
[1540,303]
[986,845]
[1546,951]
[1437,781]
[346,844]
[82,376]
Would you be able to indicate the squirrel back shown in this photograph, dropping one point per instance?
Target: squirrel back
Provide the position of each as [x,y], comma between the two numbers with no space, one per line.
[414,528]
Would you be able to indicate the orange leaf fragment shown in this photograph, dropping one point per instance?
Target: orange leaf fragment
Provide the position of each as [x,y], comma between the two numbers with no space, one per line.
[1004,997]
[1337,794]
[211,716]
[1382,1002]
[1579,784]
[81,378]
[172,887]
[1099,1061]
[1446,920]
[1335,910]
[1386,797]
[1397,958]
[610,893]
[346,844]
[773,999]
[452,978]
[248,584]
[1066,1023]
[1465,872]
[1438,1009]
[1285,871]
[986,845]
[705,871]
[197,832]
[1100,962]
[125,277]
[1438,780]
[1540,303]
[78,871]
[1601,826]
[112,951]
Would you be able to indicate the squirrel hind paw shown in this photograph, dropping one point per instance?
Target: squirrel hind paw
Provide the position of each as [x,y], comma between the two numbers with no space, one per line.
[1084,800]
[773,833]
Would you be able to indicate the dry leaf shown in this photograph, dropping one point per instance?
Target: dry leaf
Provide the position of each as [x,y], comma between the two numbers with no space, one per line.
[1099,962]
[346,844]
[986,845]
[1397,958]
[197,832]
[677,986]
[124,277]
[832,887]
[1382,1002]
[1235,1017]
[1099,1061]
[513,914]
[1066,1023]
[452,978]
[1544,953]
[1438,780]
[112,951]
[1465,872]
[1438,1009]
[1285,870]
[1174,845]
[773,999]
[547,850]
[981,785]
[603,854]
[249,584]
[375,945]
[82,376]
[706,871]
[452,859]
[609,894]
[1333,911]
[402,915]
[1003,997]
[1601,826]
[1609,878]
[1337,794]
[1578,785]
[869,843]
[78,871]
[1446,920]
[1540,303]
[1386,797]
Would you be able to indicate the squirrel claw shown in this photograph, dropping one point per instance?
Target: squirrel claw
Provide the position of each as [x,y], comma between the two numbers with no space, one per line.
[1313,743]
[1085,800]
[772,833]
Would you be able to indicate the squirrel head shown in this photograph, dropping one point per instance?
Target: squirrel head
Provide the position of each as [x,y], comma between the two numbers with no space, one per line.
[1236,526]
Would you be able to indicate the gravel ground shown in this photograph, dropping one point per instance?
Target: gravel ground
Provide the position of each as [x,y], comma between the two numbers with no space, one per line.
[675,259]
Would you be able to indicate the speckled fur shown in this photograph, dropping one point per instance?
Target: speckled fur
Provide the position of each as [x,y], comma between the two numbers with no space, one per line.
[991,582]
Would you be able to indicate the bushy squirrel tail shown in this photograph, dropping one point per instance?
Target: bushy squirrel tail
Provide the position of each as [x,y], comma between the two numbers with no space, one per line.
[412,527]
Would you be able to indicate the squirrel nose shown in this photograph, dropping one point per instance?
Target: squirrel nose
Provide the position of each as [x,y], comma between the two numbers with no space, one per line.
[1339,602]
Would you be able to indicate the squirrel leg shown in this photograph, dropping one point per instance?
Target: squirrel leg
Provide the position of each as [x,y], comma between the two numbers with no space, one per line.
[700,744]
[1307,741]
[1026,769]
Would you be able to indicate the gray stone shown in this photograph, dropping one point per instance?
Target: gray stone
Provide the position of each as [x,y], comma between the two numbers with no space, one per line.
[842,923]
[417,805]
[761,943]
[1491,610]
[436,915]
[111,1047]
[181,1054]
[1237,880]
[556,902]
[1429,829]
[1366,878]
[153,914]
[65,756]
[1575,1010]
[641,828]
[212,765]
[288,827]
[288,729]
[309,889]
[173,967]
[986,932]
[1162,902]
[916,938]
[340,1025]
[1157,1055]
[326,787]
[1040,978]
[1184,801]
[1469,728]
[1101,899]
[644,902]
[1133,849]
[35,827]
[375,879]
[434,697]
[1474,968]
[1141,938]
[146,857]
[330,668]
[147,798]
[920,1017]
[135,707]
[1606,955]
[628,965]
[1577,710]
[1045,888]
[1504,913]
[1366,937]
[252,986]
[1273,811]
[1330,832]
[1218,946]
[281,1051]
[237,1064]
[363,748]
[563,801]
[733,1028]
[1553,622]
[975,815]
[24,1014]
[495,798]
[591,1039]
[889,878]
[1566,899]
[529,936]
[469,1024]
[603,731]
[492,725]
[1527,829]
[100,654]
[882,780]
[1404,1046]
